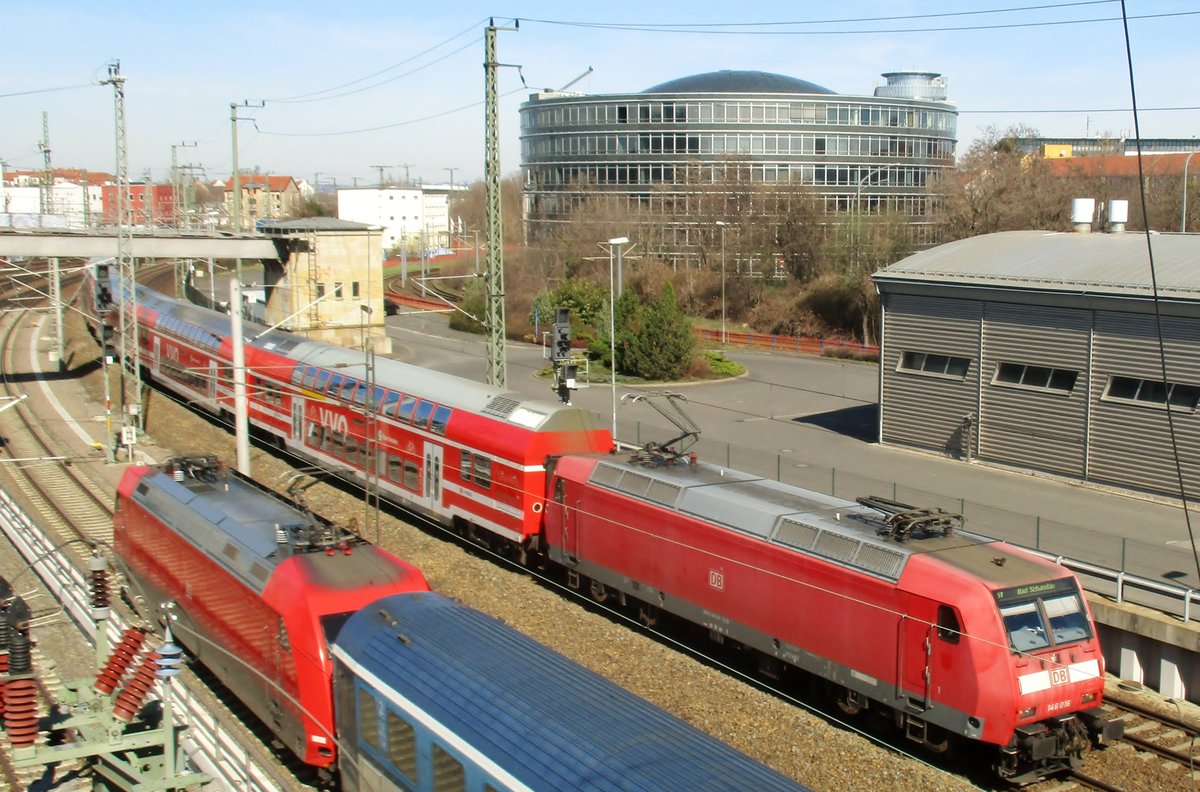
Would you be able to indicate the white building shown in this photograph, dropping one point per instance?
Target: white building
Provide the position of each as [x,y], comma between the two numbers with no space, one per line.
[71,205]
[411,217]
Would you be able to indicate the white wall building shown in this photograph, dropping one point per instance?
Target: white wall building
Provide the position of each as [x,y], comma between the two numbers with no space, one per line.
[409,216]
[71,205]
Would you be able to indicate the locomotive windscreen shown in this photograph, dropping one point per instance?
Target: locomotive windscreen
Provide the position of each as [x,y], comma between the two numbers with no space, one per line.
[1033,622]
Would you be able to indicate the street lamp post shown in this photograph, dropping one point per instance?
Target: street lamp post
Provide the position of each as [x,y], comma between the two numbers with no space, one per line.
[1183,215]
[616,243]
[724,336]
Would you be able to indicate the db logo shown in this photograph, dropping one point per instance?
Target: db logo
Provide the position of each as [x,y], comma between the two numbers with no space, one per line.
[1059,676]
[716,579]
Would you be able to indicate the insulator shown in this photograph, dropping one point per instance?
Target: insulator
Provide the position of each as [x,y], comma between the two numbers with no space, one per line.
[20,652]
[169,658]
[119,660]
[3,681]
[133,695]
[101,601]
[20,714]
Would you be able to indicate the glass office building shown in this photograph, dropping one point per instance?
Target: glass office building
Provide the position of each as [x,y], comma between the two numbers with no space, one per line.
[657,152]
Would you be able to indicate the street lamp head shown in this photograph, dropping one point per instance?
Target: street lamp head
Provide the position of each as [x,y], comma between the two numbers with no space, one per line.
[619,241]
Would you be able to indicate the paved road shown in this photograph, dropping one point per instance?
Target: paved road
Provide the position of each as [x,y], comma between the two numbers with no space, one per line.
[813,421]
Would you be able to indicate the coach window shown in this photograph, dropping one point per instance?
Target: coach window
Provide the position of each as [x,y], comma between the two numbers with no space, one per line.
[389,403]
[359,395]
[412,476]
[441,416]
[949,630]
[368,719]
[348,387]
[448,772]
[335,385]
[377,398]
[483,472]
[406,408]
[395,468]
[421,420]
[402,746]
[322,381]
[464,465]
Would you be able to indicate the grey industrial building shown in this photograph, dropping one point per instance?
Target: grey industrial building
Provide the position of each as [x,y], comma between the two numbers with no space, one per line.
[654,152]
[1040,351]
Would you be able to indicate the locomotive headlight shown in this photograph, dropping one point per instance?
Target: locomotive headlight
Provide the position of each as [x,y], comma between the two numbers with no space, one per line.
[1028,712]
[1088,697]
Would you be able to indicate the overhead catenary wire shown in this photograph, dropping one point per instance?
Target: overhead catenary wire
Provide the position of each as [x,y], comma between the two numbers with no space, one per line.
[735,28]
[1162,350]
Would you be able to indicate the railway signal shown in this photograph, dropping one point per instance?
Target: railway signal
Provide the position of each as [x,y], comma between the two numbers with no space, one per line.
[566,370]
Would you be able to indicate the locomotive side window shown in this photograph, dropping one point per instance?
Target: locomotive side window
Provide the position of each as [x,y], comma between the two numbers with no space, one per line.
[402,745]
[949,630]
[448,773]
[1026,631]
[1068,622]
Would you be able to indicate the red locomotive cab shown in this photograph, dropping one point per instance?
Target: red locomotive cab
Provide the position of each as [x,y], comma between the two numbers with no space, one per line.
[1056,658]
[313,595]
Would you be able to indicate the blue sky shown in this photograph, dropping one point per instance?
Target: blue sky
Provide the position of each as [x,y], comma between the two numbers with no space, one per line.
[184,65]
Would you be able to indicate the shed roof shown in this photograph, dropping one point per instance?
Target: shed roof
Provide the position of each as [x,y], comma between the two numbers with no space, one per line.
[1096,263]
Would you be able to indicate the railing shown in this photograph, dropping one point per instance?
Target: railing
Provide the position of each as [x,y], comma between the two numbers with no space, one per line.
[786,343]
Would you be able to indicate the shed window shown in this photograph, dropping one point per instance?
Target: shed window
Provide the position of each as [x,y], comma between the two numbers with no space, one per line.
[939,365]
[1036,377]
[1156,393]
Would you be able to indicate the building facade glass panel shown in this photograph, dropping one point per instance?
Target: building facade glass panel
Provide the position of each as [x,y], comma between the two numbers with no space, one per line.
[859,154]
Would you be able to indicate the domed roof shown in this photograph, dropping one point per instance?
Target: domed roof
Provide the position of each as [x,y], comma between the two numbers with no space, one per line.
[730,81]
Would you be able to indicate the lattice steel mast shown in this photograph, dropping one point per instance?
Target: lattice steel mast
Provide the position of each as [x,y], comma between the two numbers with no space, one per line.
[497,371]
[130,351]
[47,180]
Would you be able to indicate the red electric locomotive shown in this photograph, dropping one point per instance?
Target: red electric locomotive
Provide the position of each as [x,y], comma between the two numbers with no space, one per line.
[957,635]
[260,587]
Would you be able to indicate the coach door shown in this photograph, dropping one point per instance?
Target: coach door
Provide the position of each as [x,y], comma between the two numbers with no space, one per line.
[431,492]
[567,515]
[297,419]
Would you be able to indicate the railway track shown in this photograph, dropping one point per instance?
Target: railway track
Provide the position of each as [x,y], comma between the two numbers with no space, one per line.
[1172,739]
[70,503]
[53,514]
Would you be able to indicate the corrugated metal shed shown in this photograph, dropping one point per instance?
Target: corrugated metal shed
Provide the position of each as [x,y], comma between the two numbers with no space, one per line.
[1096,263]
[545,720]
